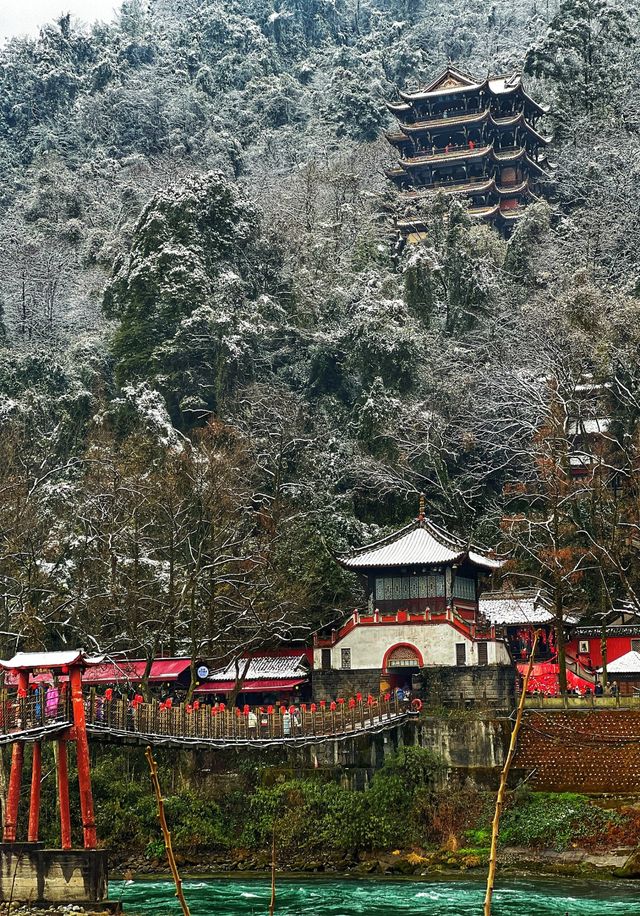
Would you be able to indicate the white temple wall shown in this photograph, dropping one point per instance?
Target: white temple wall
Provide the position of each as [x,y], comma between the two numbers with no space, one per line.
[435,642]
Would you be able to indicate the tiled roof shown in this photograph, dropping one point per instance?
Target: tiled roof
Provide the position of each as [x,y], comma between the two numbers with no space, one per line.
[513,608]
[28,660]
[265,667]
[420,543]
[626,664]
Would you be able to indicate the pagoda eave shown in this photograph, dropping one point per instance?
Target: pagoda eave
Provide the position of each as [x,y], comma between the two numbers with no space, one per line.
[398,107]
[396,138]
[424,96]
[468,187]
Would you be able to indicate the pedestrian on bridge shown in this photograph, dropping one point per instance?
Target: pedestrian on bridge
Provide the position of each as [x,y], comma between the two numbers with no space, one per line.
[51,701]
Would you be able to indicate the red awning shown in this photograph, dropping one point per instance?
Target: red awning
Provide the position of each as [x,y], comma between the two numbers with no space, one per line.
[287,683]
[115,672]
[164,669]
[168,669]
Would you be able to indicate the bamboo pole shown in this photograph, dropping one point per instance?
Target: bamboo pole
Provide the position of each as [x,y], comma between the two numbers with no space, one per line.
[153,766]
[272,902]
[493,857]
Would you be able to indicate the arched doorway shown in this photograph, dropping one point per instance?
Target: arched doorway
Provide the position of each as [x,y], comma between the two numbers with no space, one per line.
[401,663]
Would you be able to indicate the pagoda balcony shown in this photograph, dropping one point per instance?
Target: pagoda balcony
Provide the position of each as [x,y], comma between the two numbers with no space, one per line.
[452,154]
[461,617]
[474,185]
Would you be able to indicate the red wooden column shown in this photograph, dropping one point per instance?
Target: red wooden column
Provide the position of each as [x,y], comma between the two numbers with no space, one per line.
[82,751]
[34,804]
[63,795]
[17,763]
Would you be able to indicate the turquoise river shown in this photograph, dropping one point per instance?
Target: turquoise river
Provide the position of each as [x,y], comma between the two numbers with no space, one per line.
[344,897]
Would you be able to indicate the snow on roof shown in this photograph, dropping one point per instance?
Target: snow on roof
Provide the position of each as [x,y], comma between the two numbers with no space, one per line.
[28,660]
[515,607]
[626,664]
[265,667]
[591,425]
[503,84]
[419,543]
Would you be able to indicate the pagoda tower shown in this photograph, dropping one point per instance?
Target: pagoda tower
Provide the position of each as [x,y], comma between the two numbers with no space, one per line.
[475,139]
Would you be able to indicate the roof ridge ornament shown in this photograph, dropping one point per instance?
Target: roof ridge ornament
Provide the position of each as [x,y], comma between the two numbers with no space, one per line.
[421,507]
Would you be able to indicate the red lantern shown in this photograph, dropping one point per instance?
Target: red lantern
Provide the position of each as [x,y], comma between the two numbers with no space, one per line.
[303,707]
[65,669]
[283,709]
[222,707]
[387,697]
[359,697]
[162,707]
[352,703]
[313,707]
[323,704]
[196,705]
[108,694]
[370,700]
[168,702]
[332,706]
[214,710]
[245,710]
[341,701]
[270,710]
[188,708]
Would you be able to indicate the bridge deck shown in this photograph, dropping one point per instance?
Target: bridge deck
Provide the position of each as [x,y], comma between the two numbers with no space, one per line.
[120,722]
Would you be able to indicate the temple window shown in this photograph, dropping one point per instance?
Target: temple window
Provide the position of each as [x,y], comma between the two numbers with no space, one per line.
[464,588]
[401,588]
[345,659]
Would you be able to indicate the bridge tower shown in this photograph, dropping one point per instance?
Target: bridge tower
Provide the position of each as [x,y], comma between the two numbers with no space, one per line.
[49,705]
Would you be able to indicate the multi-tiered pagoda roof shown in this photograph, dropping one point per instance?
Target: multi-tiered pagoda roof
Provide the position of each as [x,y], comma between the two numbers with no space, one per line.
[476,139]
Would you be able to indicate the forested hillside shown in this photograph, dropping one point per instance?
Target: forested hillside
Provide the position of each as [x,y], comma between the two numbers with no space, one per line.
[216,364]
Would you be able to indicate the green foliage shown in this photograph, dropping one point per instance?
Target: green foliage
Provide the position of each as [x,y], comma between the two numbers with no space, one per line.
[582,53]
[552,820]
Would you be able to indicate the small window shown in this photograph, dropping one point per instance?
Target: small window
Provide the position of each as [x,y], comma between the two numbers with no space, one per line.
[345,658]
[583,646]
[461,654]
[483,653]
[464,588]
[325,663]
[635,645]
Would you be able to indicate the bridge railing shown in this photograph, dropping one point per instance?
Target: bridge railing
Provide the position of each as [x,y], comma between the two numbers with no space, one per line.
[37,710]
[203,722]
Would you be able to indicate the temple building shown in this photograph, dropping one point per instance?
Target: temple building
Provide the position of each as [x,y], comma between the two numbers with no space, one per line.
[477,139]
[422,624]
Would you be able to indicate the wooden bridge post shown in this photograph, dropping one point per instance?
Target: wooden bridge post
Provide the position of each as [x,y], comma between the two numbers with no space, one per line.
[17,763]
[34,800]
[83,761]
[63,794]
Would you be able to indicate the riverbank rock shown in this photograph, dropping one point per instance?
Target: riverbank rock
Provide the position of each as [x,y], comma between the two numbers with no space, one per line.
[18,909]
